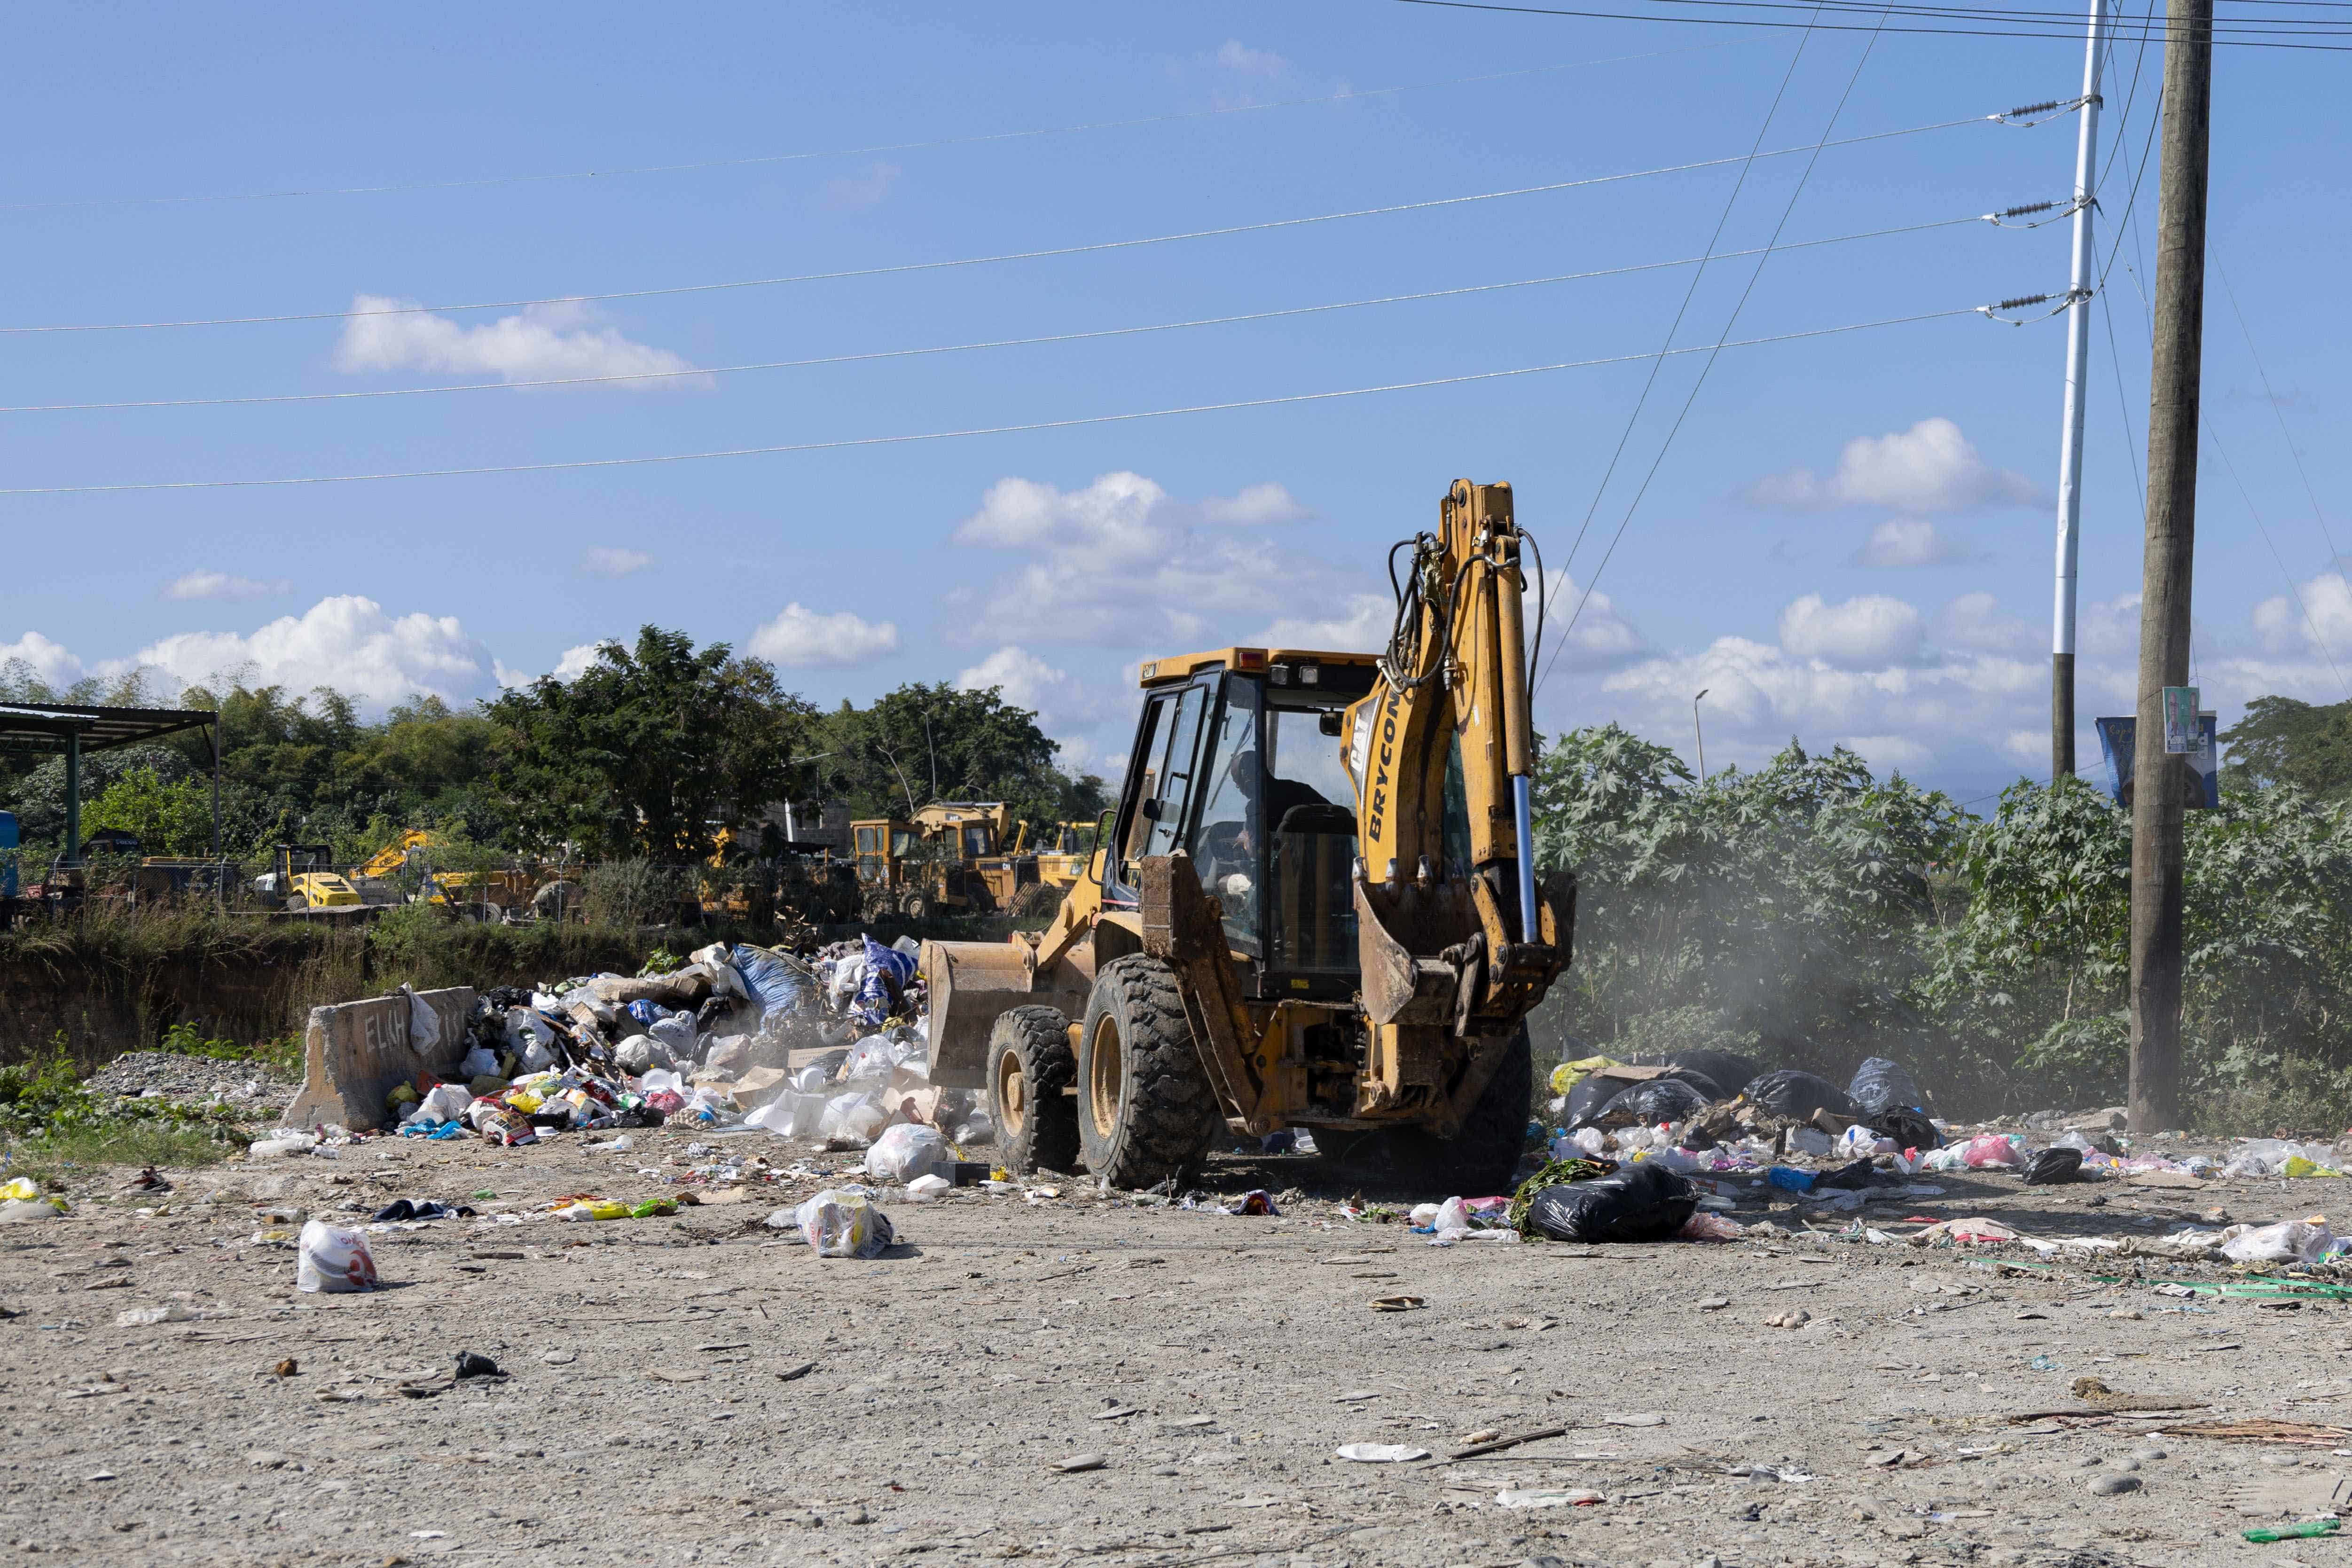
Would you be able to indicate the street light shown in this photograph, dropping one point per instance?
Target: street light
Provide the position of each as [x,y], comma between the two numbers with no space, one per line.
[1701,733]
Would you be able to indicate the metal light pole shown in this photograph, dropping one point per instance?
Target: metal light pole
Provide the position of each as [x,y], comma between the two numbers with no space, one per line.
[1701,732]
[2070,446]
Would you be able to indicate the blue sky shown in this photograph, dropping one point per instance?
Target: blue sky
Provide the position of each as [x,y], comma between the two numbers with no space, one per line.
[1848,540]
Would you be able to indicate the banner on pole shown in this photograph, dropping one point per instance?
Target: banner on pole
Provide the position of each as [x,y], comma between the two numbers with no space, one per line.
[2181,736]
[2200,780]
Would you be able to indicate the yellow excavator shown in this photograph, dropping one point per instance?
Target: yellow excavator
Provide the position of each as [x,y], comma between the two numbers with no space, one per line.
[1316,906]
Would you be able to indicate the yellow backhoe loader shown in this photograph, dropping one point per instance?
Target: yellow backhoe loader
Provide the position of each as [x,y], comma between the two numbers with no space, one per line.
[951,855]
[1316,905]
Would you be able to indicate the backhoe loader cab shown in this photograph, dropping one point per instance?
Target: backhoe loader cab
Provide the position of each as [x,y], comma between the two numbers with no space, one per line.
[1236,766]
[1316,905]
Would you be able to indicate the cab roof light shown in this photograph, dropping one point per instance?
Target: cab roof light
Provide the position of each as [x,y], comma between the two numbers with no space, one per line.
[1249,657]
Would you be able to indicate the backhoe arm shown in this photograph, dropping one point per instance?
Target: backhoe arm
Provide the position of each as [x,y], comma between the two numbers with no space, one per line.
[1451,927]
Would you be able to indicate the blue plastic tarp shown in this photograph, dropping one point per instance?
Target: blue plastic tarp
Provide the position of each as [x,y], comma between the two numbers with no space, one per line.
[772,981]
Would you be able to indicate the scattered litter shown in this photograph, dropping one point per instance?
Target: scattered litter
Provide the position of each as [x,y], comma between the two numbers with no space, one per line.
[1379,1452]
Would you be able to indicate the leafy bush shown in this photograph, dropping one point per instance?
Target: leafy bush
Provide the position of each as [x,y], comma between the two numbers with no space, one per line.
[1811,914]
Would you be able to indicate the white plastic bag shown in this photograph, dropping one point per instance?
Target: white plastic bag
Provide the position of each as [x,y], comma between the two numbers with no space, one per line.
[280,1146]
[836,1224]
[852,1115]
[776,1117]
[424,1025]
[905,1151]
[333,1259]
[2292,1241]
[872,1058]
[480,1062]
[923,1189]
[443,1102]
[1452,1219]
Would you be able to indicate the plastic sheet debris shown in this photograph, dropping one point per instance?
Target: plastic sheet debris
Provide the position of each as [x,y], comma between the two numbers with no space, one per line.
[1379,1452]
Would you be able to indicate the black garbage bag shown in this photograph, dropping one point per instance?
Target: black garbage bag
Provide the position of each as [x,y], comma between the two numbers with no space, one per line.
[1860,1176]
[1640,1203]
[1585,1101]
[1790,1092]
[2053,1165]
[1659,1099]
[1727,1068]
[1881,1085]
[1596,1095]
[1909,1129]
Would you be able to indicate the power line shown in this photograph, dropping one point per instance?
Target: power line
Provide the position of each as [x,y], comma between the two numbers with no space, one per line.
[2271,397]
[2264,528]
[753,160]
[2260,43]
[657,375]
[1708,364]
[979,430]
[1433,203]
[2294,589]
[1642,399]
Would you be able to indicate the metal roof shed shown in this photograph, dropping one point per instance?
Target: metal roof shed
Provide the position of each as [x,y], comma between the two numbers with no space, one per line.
[70,730]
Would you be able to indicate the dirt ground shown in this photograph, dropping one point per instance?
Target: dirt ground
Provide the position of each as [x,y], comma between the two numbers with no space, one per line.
[697,1390]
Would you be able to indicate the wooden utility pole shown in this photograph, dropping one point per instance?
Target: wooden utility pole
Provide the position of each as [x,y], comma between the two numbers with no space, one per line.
[2159,780]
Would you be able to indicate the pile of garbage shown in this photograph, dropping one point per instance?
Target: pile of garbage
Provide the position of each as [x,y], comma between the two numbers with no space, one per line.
[1656,1149]
[736,1039]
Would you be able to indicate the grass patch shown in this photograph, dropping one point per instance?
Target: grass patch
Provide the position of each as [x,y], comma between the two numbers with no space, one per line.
[55,1158]
[281,1058]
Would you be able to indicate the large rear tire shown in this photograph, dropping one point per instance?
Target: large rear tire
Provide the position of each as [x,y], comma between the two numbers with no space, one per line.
[1477,1161]
[1146,1108]
[1030,1069]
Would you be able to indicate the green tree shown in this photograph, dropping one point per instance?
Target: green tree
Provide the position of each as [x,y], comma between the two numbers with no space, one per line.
[925,742]
[170,818]
[649,750]
[2279,740]
[1780,912]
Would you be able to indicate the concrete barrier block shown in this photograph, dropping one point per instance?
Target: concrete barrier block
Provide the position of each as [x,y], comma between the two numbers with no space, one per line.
[355,1053]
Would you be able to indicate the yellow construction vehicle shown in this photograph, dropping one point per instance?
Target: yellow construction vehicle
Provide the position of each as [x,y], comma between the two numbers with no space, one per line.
[1316,906]
[949,856]
[1063,853]
[302,877]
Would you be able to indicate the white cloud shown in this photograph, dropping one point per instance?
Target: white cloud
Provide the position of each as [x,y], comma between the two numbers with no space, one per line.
[1253,504]
[1362,626]
[1975,623]
[1236,55]
[864,190]
[47,662]
[1902,541]
[607,561]
[1865,632]
[544,342]
[577,661]
[207,584]
[346,641]
[1120,562]
[1930,468]
[802,639]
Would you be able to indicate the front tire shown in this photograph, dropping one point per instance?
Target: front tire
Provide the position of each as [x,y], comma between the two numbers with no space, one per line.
[1146,1108]
[1030,1069]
